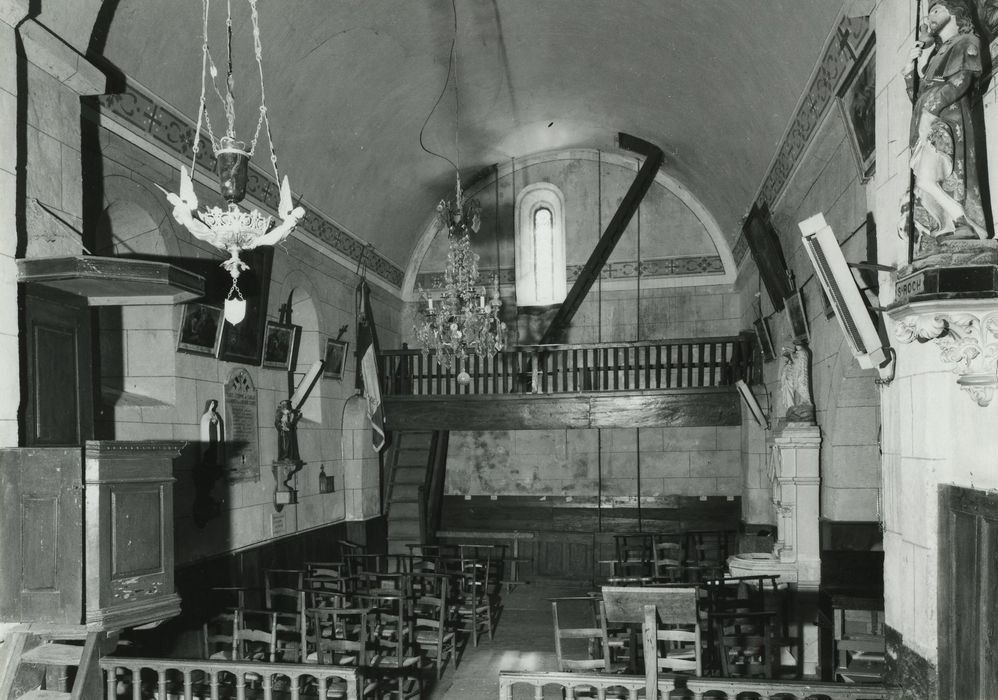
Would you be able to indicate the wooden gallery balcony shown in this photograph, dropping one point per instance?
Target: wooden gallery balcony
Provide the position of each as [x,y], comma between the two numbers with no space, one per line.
[678,383]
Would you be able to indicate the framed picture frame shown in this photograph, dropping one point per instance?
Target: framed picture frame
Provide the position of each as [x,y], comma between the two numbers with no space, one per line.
[200,329]
[763,340]
[764,244]
[279,345]
[797,317]
[335,358]
[857,102]
[243,342]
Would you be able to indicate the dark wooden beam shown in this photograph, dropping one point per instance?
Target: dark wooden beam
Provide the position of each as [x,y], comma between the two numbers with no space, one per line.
[608,241]
[636,409]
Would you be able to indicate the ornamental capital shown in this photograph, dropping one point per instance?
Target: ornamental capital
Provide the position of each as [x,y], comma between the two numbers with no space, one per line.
[966,334]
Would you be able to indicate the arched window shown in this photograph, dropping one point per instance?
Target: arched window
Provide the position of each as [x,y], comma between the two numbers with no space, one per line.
[540,245]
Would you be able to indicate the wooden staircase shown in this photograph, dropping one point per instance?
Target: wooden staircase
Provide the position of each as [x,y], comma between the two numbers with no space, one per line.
[48,662]
[413,487]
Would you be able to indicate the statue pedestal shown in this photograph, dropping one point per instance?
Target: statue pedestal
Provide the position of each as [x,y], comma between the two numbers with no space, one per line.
[284,492]
[796,556]
[796,494]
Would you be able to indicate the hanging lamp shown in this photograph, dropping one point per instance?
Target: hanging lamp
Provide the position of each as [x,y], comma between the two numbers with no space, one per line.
[232,229]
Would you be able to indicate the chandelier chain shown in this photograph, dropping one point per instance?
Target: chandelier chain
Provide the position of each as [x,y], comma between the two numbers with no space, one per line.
[202,102]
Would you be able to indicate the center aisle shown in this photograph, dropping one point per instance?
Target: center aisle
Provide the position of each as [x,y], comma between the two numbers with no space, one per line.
[524,641]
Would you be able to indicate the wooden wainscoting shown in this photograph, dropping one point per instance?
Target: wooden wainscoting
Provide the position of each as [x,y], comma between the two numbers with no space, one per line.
[568,538]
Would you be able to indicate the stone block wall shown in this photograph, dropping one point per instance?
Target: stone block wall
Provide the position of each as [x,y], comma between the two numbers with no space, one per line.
[154,391]
[589,463]
[826,180]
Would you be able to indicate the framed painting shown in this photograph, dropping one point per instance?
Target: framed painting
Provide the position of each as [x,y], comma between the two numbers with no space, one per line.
[335,358]
[279,345]
[243,342]
[857,103]
[797,317]
[763,340]
[200,329]
[764,244]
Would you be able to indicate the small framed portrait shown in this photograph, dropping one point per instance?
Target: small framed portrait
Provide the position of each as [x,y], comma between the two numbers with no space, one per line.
[797,317]
[200,329]
[763,340]
[856,102]
[336,358]
[279,345]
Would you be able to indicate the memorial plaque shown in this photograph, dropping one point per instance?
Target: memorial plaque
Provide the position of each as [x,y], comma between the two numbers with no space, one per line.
[242,442]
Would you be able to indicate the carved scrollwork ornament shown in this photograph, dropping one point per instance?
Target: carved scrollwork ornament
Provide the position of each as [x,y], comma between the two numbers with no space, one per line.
[967,341]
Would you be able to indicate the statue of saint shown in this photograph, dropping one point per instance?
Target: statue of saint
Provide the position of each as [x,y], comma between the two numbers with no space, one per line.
[944,160]
[212,435]
[795,384]
[286,422]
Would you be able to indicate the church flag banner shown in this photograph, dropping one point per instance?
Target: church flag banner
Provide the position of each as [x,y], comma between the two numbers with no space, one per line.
[367,376]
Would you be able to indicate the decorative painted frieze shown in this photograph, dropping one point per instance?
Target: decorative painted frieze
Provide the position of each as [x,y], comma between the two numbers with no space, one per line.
[845,47]
[145,115]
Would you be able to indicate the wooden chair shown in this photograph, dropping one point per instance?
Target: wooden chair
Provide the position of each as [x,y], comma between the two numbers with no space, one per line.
[584,649]
[706,553]
[473,602]
[256,635]
[594,655]
[433,631]
[366,563]
[343,637]
[397,664]
[671,633]
[744,643]
[284,593]
[634,556]
[349,547]
[218,636]
[667,610]
[667,556]
[732,596]
[323,569]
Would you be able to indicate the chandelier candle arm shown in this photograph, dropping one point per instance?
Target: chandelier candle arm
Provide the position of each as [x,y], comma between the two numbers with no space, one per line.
[232,229]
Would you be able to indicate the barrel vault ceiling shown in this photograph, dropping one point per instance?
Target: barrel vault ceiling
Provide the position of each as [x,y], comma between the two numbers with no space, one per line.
[350,83]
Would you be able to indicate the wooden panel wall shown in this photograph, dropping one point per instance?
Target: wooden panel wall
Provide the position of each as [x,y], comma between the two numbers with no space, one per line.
[180,636]
[570,537]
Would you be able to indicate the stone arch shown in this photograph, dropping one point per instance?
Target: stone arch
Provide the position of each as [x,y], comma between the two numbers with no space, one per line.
[431,227]
[361,464]
[138,358]
[299,291]
[134,221]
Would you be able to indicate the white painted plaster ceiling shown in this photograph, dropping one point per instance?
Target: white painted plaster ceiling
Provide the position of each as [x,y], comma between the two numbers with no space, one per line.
[350,82]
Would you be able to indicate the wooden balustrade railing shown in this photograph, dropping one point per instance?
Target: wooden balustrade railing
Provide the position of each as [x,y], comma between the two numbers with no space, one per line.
[187,679]
[553,369]
[540,685]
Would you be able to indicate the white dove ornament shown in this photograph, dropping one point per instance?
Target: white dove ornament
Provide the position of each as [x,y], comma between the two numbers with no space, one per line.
[233,230]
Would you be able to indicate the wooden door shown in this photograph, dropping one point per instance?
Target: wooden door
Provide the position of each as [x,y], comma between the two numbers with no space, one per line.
[59,391]
[41,551]
[968,593]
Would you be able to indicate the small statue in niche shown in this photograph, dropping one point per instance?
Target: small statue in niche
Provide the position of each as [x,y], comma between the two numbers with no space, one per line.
[212,435]
[795,384]
[286,422]
[209,470]
[946,153]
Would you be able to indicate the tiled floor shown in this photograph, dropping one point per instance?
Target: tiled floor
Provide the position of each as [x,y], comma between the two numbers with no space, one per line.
[524,641]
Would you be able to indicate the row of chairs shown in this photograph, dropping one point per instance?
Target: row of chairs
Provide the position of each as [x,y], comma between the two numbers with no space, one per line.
[393,616]
[691,556]
[728,627]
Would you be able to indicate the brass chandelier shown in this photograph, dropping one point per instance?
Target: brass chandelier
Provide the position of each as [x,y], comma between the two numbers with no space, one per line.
[462,318]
